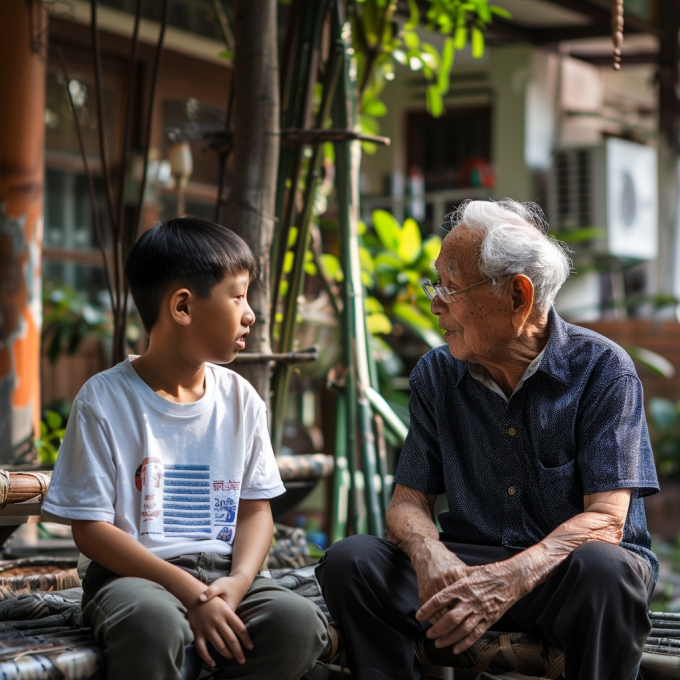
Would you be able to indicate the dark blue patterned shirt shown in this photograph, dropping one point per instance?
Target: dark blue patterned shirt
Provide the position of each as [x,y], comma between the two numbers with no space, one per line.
[514,470]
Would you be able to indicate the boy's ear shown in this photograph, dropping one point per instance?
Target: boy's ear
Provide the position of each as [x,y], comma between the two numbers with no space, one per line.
[180,306]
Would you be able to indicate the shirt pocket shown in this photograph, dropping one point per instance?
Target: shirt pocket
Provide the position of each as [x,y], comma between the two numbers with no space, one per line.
[560,492]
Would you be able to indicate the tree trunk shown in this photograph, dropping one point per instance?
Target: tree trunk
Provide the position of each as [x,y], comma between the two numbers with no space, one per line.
[250,208]
[22,90]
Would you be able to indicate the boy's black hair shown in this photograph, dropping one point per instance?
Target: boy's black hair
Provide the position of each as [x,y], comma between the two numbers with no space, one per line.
[191,251]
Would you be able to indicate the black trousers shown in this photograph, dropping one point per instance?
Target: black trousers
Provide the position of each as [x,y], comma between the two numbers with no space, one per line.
[593,607]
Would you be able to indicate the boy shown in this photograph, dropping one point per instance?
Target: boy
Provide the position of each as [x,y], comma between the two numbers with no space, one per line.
[166,471]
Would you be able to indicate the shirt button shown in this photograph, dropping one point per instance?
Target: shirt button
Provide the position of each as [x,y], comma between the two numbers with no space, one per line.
[512,431]
[512,491]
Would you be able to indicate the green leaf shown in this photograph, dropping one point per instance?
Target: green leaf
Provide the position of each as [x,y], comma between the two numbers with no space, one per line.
[500,12]
[418,323]
[663,413]
[331,266]
[414,15]
[369,125]
[461,37]
[477,43]
[373,306]
[411,40]
[367,280]
[651,360]
[292,237]
[226,54]
[410,241]
[366,261]
[53,419]
[375,108]
[444,74]
[378,324]
[310,269]
[387,228]
[581,235]
[431,248]
[434,101]
[387,262]
[288,260]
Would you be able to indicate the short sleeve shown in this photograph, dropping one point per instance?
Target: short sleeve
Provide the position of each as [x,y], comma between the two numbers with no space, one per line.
[420,464]
[614,451]
[261,478]
[83,483]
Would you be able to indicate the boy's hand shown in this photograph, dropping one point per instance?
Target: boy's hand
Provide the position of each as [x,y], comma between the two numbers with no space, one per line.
[230,588]
[216,622]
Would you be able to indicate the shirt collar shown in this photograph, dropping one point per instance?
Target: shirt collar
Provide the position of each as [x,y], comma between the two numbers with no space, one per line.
[552,360]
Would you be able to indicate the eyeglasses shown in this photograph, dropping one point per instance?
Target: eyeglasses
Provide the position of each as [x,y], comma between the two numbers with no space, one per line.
[445,294]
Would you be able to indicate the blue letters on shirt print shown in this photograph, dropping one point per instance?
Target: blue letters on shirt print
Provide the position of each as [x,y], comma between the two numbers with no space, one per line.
[225,504]
[186,501]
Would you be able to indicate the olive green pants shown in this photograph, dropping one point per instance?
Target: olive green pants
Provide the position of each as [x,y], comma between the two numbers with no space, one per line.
[142,629]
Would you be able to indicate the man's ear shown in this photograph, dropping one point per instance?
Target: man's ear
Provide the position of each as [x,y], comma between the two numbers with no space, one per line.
[522,299]
[180,306]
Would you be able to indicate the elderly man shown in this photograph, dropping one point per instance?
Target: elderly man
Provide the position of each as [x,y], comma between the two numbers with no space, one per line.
[535,430]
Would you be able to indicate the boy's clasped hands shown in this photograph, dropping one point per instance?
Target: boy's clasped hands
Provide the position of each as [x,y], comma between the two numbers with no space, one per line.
[213,619]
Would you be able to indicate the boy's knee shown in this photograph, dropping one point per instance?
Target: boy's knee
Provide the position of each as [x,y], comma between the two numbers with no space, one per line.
[296,630]
[138,612]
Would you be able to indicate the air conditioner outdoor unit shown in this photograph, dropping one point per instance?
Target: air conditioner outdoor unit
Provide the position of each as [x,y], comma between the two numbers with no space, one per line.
[613,186]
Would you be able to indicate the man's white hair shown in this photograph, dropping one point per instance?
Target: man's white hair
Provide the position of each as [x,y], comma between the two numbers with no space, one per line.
[514,240]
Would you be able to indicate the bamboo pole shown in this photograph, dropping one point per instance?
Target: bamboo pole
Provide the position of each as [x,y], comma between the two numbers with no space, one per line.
[281,378]
[297,108]
[347,155]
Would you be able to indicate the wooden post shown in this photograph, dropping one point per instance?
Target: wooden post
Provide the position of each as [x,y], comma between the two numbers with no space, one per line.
[250,208]
[22,91]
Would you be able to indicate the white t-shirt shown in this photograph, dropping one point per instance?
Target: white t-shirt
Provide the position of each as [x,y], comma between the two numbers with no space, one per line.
[170,475]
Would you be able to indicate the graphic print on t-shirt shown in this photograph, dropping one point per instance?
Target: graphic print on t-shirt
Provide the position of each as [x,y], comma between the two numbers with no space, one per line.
[181,501]
[149,480]
[186,501]
[225,505]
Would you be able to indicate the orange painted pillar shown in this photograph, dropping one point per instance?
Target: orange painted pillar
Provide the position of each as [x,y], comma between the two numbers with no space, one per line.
[22,115]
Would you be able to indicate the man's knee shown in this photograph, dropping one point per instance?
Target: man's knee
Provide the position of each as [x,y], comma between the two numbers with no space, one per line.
[347,558]
[610,571]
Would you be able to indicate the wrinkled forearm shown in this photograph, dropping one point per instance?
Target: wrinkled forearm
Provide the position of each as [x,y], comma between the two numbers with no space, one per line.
[411,528]
[533,566]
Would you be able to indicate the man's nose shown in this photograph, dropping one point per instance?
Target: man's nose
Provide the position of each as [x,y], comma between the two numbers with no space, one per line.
[436,306]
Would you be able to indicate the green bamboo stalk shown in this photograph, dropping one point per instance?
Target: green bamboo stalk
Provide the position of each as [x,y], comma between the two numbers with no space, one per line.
[282,373]
[392,420]
[299,91]
[341,476]
[354,333]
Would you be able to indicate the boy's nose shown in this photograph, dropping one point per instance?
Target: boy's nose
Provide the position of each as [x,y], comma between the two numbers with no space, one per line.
[249,317]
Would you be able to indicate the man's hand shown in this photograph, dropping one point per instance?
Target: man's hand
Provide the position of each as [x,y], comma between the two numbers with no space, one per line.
[461,613]
[216,622]
[411,527]
[436,568]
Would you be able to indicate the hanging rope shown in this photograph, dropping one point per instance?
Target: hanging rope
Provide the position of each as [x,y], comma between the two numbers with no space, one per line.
[617,32]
